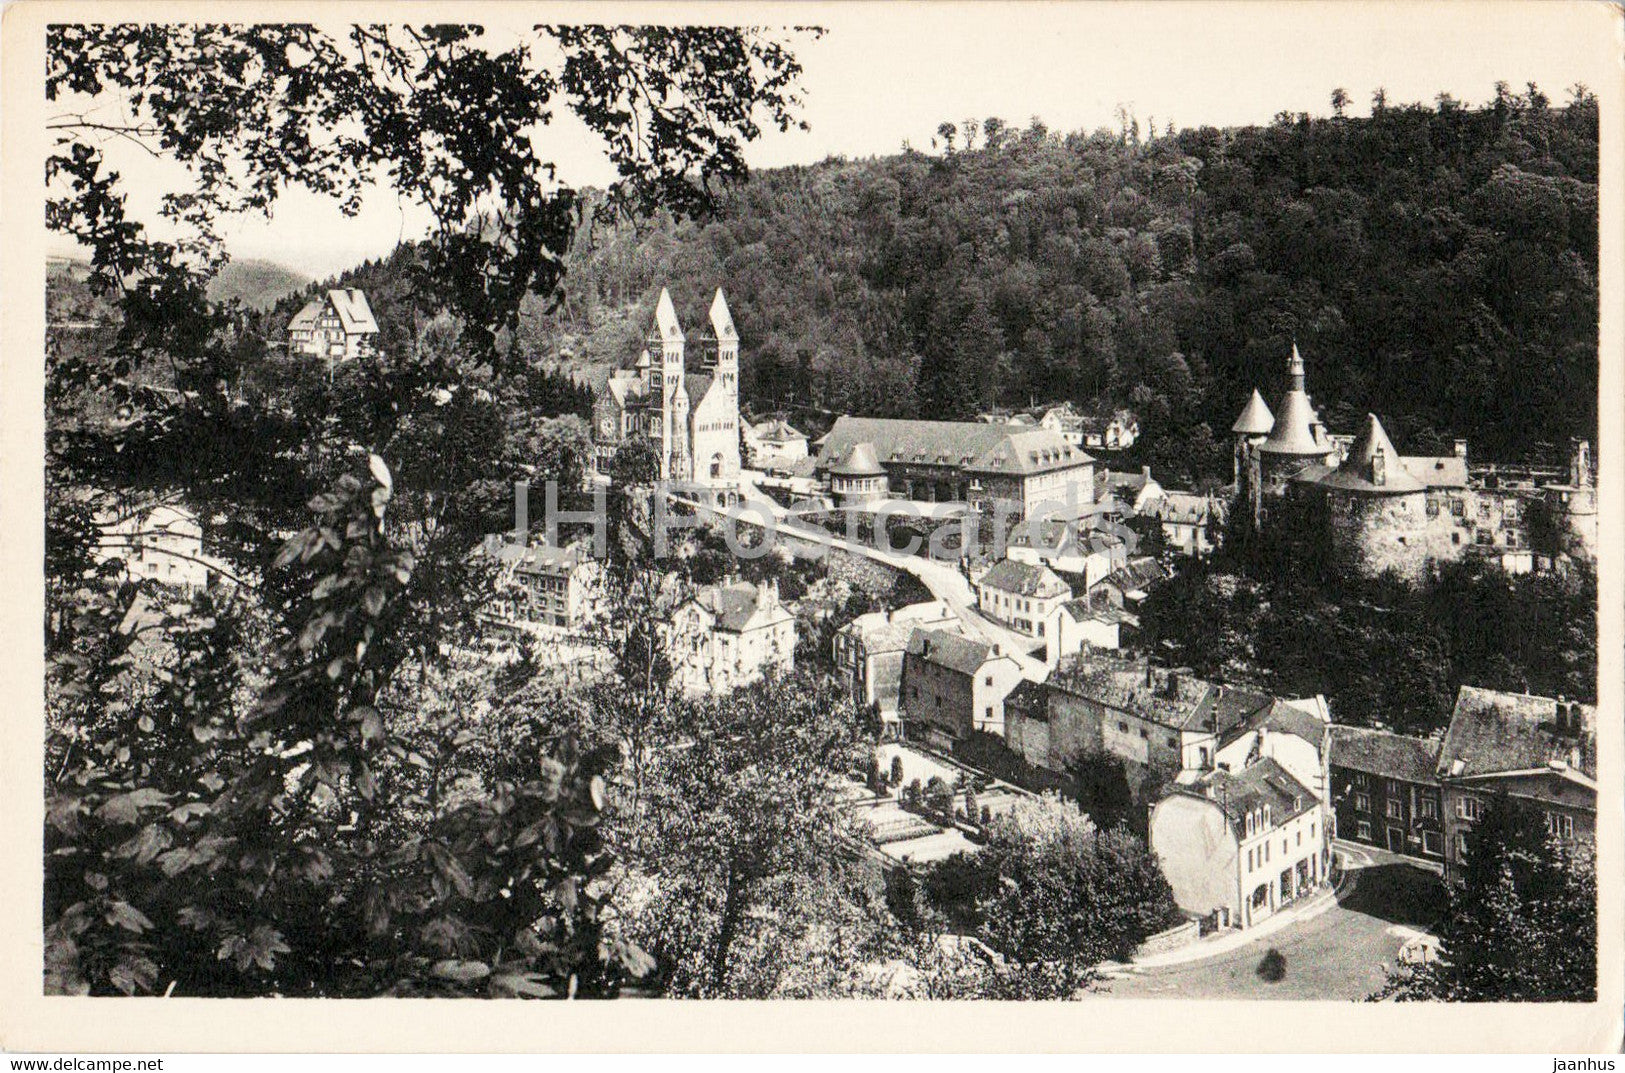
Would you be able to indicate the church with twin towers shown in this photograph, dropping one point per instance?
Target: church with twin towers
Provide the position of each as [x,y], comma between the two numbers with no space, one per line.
[684,405]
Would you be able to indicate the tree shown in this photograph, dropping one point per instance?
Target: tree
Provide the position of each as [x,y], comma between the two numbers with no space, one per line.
[1103,789]
[264,794]
[1068,896]
[1340,101]
[1521,926]
[741,840]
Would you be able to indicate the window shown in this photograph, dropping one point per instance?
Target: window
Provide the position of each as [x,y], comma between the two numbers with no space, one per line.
[1461,846]
[1266,851]
[1249,860]
[1173,742]
[1560,824]
[1362,802]
[1392,787]
[990,715]
[1143,735]
[1455,538]
[1300,838]
[988,681]
[1364,830]
[1469,808]
[1396,811]
[1122,726]
[1430,809]
[1432,843]
[1360,778]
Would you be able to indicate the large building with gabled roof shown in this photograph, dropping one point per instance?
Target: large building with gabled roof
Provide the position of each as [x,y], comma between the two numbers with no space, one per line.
[688,412]
[337,325]
[973,462]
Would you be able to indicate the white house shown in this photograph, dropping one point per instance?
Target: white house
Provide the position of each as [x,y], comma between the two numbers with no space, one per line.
[162,542]
[774,444]
[728,635]
[337,326]
[546,585]
[868,653]
[1023,596]
[1241,845]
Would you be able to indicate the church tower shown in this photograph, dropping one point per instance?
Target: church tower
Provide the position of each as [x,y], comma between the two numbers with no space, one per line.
[666,339]
[727,343]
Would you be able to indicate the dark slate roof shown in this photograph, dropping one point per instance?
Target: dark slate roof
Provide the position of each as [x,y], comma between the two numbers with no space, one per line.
[1255,419]
[1262,782]
[1446,471]
[1097,606]
[1023,579]
[696,385]
[1186,508]
[1390,756]
[1029,698]
[1494,732]
[860,462]
[950,650]
[1358,471]
[974,446]
[1135,574]
[733,605]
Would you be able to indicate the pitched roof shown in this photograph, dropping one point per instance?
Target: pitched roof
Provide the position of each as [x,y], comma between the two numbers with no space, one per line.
[859,461]
[1297,429]
[722,321]
[776,430]
[1097,606]
[355,315]
[1183,507]
[734,605]
[1255,419]
[1493,732]
[970,445]
[306,317]
[951,650]
[665,326]
[695,385]
[1359,472]
[1437,471]
[1391,756]
[1135,574]
[1262,782]
[1023,579]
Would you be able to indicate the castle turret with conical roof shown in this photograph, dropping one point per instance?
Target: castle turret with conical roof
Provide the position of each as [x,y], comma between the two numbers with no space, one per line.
[1377,509]
[1297,440]
[1373,467]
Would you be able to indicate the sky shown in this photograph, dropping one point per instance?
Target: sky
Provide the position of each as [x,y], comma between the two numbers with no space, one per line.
[883,75]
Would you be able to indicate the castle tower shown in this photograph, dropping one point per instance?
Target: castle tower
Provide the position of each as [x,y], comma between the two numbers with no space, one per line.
[666,339]
[1575,503]
[1297,440]
[1250,430]
[1377,509]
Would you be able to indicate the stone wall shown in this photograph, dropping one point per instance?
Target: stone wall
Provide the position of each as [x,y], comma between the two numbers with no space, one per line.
[1373,534]
[1170,939]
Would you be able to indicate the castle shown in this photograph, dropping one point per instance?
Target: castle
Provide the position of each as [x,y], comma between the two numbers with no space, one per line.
[690,418]
[1387,512]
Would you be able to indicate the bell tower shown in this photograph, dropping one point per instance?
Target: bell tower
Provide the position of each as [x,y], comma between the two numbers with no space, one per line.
[666,339]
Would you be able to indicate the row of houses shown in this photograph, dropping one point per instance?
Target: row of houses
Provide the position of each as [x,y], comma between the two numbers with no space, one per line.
[1420,797]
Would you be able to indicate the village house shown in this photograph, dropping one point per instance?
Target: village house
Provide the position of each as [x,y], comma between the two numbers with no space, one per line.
[546,585]
[723,636]
[1083,547]
[1132,582]
[1238,846]
[1025,597]
[337,325]
[1386,792]
[1538,753]
[1093,620]
[994,468]
[954,685]
[1189,522]
[1106,431]
[775,445]
[868,654]
[1138,492]
[1295,733]
[1158,721]
[160,542]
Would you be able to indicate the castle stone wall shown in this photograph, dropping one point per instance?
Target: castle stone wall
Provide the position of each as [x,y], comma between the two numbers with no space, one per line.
[1374,534]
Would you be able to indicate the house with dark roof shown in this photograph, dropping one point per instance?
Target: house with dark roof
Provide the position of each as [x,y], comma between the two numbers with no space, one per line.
[1156,720]
[1131,583]
[337,325]
[868,654]
[1538,753]
[1238,846]
[1089,547]
[719,637]
[542,584]
[1024,596]
[954,685]
[1189,521]
[1386,792]
[775,444]
[979,463]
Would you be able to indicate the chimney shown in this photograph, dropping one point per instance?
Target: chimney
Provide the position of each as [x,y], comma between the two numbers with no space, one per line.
[1145,471]
[996,648]
[925,646]
[1461,448]
[1150,678]
[1379,467]
[1173,684]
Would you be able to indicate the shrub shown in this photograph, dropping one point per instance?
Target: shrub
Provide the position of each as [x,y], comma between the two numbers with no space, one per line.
[897,771]
[1272,966]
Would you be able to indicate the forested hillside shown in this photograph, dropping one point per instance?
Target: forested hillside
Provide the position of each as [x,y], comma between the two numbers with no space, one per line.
[1436,263]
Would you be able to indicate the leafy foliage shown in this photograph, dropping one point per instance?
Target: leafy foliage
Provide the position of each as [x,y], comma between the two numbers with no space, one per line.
[1522,925]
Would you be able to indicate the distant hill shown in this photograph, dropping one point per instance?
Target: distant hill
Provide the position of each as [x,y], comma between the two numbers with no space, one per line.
[257,284]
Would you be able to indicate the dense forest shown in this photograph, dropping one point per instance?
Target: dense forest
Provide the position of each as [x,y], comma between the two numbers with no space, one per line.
[1437,264]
